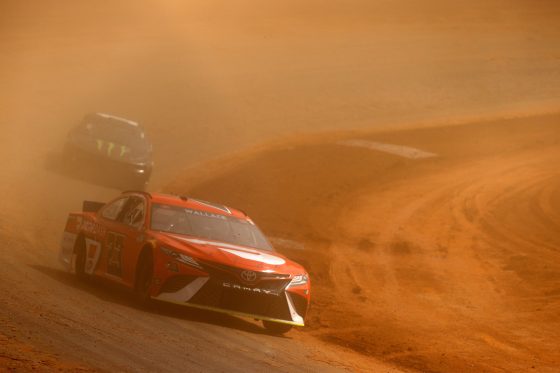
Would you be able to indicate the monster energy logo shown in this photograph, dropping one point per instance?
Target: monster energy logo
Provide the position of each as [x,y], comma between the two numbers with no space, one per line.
[111,146]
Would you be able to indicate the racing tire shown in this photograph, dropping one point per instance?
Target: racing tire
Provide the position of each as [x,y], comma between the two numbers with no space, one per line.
[144,278]
[80,264]
[276,328]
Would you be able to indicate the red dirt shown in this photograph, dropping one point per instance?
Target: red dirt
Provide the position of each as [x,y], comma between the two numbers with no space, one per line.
[444,264]
[441,264]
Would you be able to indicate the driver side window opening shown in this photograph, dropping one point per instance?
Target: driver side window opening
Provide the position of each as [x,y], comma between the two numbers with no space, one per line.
[133,212]
[114,209]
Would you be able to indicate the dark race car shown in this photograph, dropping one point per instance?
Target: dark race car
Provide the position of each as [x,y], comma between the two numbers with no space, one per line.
[110,150]
[190,252]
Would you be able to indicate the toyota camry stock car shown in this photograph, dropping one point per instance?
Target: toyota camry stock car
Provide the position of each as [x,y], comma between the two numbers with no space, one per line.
[187,251]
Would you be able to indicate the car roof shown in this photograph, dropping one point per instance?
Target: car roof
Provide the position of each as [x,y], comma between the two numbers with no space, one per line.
[192,203]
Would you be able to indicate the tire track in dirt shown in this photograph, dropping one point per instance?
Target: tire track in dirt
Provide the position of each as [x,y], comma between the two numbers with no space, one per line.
[447,264]
[493,219]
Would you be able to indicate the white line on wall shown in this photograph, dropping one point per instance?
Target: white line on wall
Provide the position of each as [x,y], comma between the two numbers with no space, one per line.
[400,150]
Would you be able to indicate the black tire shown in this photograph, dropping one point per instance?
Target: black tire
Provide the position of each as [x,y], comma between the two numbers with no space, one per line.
[80,265]
[276,328]
[144,277]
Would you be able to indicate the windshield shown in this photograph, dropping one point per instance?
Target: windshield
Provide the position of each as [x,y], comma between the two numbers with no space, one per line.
[117,133]
[216,227]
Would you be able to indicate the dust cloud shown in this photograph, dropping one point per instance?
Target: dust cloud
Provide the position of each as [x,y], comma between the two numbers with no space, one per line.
[210,79]
[207,78]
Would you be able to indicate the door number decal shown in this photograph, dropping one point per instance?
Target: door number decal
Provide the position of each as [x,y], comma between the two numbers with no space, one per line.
[115,244]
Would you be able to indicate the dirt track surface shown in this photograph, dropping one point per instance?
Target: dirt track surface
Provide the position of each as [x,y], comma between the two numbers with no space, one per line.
[442,264]
[434,265]
[445,264]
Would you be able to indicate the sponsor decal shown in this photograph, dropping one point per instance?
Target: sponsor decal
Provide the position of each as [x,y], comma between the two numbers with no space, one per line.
[91,227]
[124,150]
[73,223]
[229,285]
[93,250]
[205,213]
[114,246]
[111,146]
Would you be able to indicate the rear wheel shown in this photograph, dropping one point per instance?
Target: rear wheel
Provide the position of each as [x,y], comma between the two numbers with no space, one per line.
[276,328]
[80,259]
[144,276]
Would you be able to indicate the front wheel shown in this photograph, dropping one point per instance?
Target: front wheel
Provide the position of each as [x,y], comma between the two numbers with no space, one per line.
[144,277]
[80,260]
[276,328]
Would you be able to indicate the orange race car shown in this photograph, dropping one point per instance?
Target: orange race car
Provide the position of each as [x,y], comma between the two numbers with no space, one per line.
[187,251]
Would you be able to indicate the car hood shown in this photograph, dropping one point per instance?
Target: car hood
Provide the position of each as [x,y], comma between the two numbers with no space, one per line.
[229,254]
[137,153]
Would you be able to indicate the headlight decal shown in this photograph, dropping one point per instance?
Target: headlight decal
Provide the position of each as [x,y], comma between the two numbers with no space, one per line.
[299,280]
[180,257]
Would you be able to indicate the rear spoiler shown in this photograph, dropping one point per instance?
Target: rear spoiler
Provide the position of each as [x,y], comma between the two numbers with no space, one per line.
[92,206]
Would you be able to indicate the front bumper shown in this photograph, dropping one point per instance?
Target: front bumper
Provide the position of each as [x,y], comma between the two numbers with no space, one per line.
[220,291]
[107,169]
